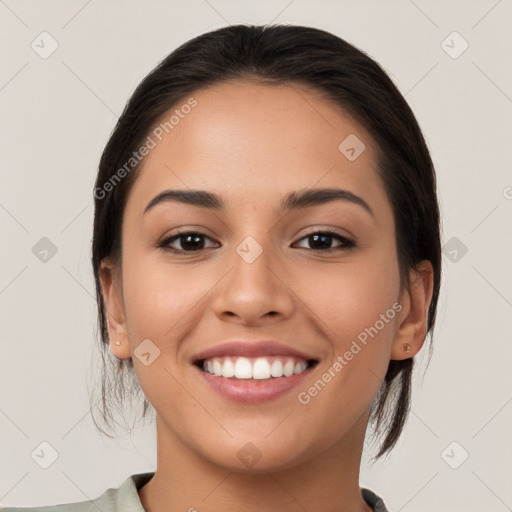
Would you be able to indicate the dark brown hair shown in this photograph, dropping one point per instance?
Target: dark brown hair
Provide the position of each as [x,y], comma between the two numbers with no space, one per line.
[281,54]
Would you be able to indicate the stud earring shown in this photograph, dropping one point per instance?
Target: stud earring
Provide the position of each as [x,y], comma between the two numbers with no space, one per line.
[118,343]
[407,347]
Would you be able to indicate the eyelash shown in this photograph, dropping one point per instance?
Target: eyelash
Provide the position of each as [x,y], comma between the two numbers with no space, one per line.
[347,243]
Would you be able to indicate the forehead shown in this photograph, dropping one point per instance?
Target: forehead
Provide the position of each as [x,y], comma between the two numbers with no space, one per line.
[265,140]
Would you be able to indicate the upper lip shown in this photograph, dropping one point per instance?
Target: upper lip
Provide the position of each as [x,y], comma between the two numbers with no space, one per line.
[251,349]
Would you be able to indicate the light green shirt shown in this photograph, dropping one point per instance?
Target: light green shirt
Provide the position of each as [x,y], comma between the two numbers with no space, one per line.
[126,499]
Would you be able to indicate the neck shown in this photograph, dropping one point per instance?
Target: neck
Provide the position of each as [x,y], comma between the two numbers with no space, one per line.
[184,481]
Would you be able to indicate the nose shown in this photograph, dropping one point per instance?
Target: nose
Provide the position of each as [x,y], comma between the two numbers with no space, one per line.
[254,292]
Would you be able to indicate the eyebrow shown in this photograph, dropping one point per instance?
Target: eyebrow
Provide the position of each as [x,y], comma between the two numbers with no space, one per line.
[293,201]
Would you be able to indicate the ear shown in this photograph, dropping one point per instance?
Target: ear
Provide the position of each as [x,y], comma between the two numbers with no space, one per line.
[416,302]
[112,297]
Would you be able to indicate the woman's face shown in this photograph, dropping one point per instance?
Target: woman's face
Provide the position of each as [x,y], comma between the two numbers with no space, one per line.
[254,291]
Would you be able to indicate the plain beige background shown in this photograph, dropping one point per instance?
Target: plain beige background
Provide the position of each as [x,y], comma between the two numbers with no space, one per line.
[56,114]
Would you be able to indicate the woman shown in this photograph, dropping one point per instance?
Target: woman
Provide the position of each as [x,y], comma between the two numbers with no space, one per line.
[266,252]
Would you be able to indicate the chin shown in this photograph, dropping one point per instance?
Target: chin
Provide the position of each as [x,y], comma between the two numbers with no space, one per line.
[259,454]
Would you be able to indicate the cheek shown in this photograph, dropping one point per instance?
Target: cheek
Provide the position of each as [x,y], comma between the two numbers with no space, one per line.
[160,304]
[356,308]
[356,314]
[159,297]
[346,299]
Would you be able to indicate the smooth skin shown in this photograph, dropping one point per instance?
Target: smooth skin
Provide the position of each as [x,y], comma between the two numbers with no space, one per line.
[252,144]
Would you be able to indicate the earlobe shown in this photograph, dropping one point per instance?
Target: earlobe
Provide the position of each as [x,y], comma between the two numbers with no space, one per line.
[111,288]
[413,327]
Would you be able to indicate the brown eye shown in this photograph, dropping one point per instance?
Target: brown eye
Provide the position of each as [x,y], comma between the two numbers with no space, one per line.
[187,241]
[322,240]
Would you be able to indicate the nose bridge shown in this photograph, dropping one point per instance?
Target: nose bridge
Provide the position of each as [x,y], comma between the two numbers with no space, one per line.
[255,247]
[253,287]
[253,260]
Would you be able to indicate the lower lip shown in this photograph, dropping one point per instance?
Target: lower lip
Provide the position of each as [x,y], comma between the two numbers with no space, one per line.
[250,391]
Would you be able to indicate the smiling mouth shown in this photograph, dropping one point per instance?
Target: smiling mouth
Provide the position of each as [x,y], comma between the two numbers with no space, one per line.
[255,368]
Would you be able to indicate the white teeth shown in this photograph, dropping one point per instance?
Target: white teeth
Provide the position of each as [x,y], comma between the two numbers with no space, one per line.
[243,368]
[276,370]
[217,368]
[288,368]
[259,369]
[228,369]
[300,367]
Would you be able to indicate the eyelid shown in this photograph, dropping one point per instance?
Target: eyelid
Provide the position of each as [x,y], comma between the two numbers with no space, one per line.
[188,229]
[328,229]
